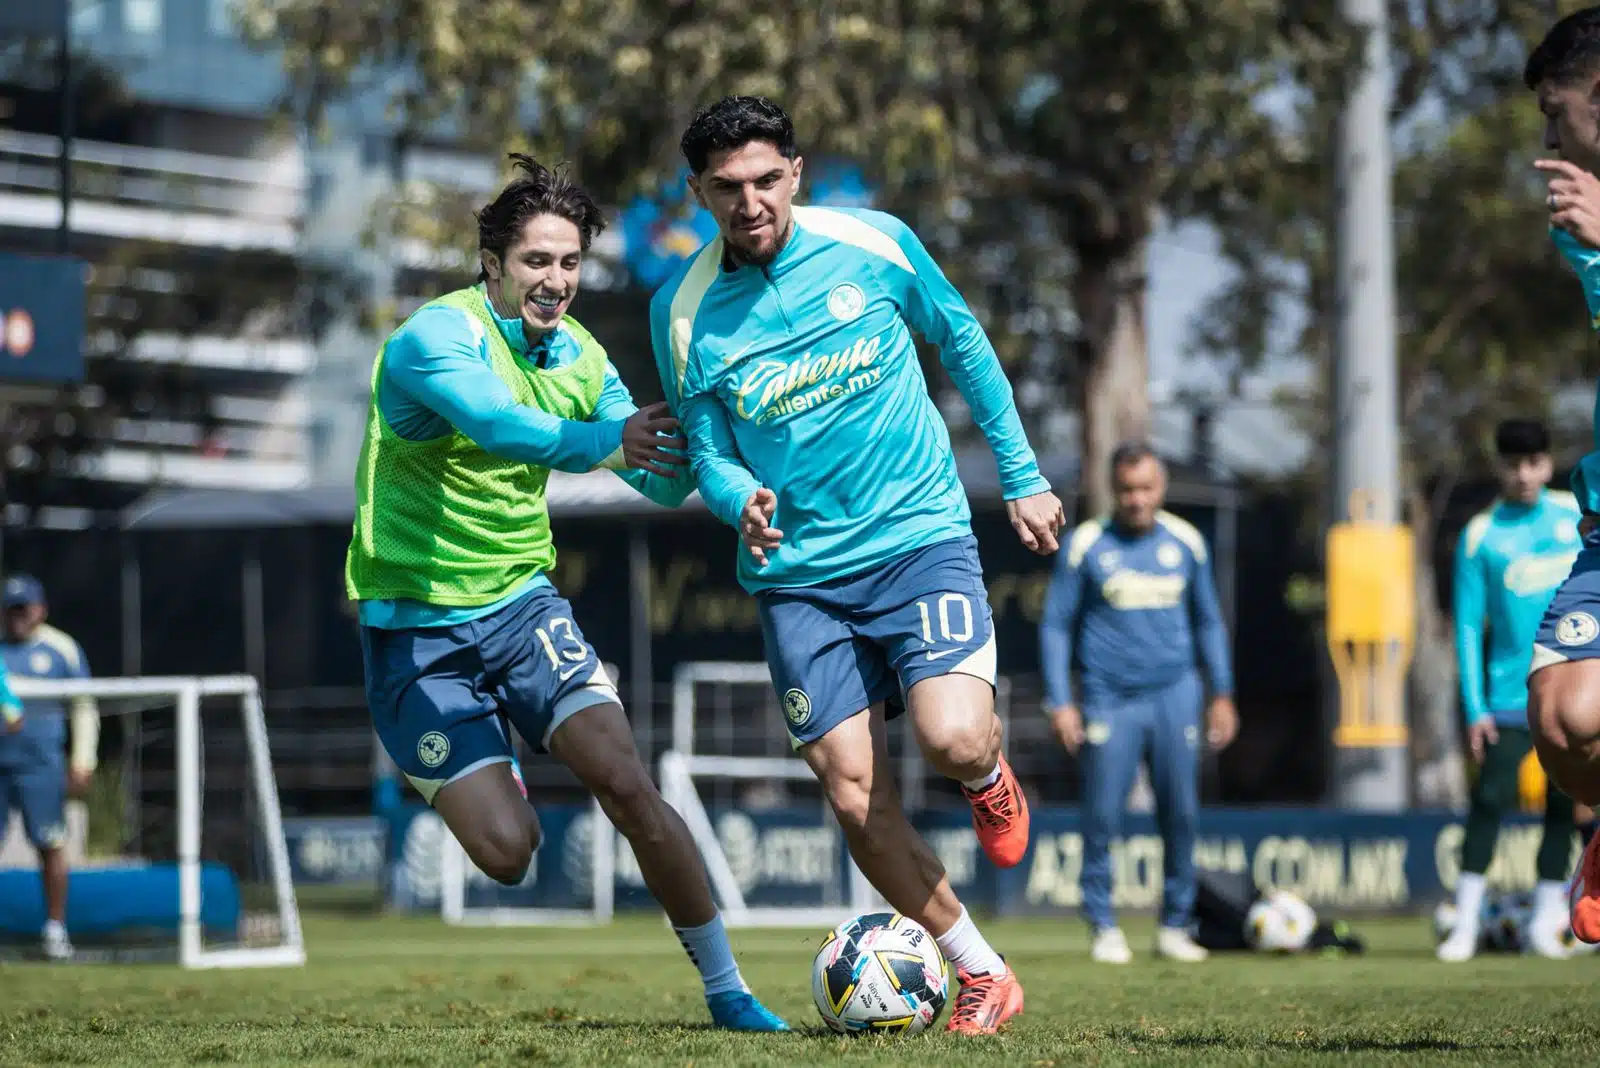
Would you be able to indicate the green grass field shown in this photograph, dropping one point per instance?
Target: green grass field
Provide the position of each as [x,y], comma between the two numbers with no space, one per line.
[410,991]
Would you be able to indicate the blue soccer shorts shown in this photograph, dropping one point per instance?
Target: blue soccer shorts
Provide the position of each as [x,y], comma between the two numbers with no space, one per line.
[39,790]
[838,647]
[1570,629]
[440,696]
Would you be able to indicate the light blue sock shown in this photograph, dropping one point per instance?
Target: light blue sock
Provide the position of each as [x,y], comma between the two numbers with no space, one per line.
[708,947]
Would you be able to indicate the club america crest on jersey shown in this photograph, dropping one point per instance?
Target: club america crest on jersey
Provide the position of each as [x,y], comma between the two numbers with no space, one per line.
[846,301]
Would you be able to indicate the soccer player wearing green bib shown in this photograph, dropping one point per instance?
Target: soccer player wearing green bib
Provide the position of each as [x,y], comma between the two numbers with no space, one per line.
[476,398]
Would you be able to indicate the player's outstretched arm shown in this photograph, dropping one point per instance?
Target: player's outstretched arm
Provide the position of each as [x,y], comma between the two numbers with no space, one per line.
[672,484]
[934,308]
[725,483]
[435,361]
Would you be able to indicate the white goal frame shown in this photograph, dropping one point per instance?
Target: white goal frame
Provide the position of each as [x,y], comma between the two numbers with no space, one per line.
[682,764]
[187,693]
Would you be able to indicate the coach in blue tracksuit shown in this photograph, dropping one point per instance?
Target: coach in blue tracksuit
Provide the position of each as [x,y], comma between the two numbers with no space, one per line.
[1132,609]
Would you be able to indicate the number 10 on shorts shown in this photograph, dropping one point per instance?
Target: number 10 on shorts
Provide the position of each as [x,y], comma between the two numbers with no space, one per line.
[954,614]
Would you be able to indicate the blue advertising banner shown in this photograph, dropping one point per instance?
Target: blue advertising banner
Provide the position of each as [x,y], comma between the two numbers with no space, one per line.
[336,852]
[41,319]
[1348,861]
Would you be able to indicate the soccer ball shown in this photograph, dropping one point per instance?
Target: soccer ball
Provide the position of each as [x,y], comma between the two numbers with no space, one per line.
[1280,922]
[881,972]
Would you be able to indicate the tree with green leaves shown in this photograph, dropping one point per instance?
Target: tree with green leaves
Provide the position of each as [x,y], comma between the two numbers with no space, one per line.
[1491,324]
[1066,127]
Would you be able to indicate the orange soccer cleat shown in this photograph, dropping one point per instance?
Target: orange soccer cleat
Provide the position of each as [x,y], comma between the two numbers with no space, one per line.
[1000,816]
[985,1002]
[1585,895]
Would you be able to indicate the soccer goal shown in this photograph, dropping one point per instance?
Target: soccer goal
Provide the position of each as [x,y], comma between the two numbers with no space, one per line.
[183,844]
[571,881]
[728,732]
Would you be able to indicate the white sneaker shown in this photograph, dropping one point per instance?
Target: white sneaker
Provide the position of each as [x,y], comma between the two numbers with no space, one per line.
[1174,943]
[53,940]
[1545,932]
[1110,947]
[1462,945]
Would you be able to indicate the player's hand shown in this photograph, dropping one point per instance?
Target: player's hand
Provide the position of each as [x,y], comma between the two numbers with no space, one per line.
[1068,722]
[1480,736]
[10,724]
[1573,198]
[646,436]
[1222,722]
[1037,520]
[78,780]
[758,537]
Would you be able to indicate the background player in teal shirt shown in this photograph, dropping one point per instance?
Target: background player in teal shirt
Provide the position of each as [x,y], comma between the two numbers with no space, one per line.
[785,346]
[1509,560]
[1564,683]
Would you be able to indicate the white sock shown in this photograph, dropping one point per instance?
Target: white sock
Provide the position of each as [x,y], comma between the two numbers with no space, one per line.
[1550,898]
[709,949]
[982,783]
[1469,900]
[964,947]
[54,929]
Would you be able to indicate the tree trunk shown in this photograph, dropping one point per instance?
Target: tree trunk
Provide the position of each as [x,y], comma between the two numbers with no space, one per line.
[1431,688]
[1114,399]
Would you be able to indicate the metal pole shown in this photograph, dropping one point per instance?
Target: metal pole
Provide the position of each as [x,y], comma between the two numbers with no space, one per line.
[68,121]
[255,612]
[641,668]
[1367,447]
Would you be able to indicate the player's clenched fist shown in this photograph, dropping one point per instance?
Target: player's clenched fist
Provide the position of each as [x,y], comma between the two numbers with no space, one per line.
[646,437]
[1037,520]
[1573,198]
[753,524]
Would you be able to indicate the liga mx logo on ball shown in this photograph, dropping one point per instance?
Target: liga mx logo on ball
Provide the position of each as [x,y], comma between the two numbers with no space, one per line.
[880,973]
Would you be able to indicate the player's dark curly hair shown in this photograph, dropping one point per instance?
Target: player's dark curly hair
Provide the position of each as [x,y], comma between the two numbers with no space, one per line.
[732,122]
[537,190]
[1521,437]
[1569,50]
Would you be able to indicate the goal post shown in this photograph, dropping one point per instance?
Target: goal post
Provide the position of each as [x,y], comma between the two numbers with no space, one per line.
[235,898]
[685,763]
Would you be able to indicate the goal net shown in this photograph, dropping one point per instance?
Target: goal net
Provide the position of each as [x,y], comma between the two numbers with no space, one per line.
[772,848]
[177,847]
[571,880]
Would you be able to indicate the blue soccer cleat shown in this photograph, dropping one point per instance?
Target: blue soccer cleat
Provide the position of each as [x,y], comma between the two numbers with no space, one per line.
[738,1010]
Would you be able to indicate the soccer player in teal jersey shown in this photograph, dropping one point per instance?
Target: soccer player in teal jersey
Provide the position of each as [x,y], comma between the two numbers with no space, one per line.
[785,346]
[1509,560]
[1564,683]
[476,399]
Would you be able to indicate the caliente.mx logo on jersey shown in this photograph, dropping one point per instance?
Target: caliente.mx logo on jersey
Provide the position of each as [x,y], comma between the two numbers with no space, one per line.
[773,388]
